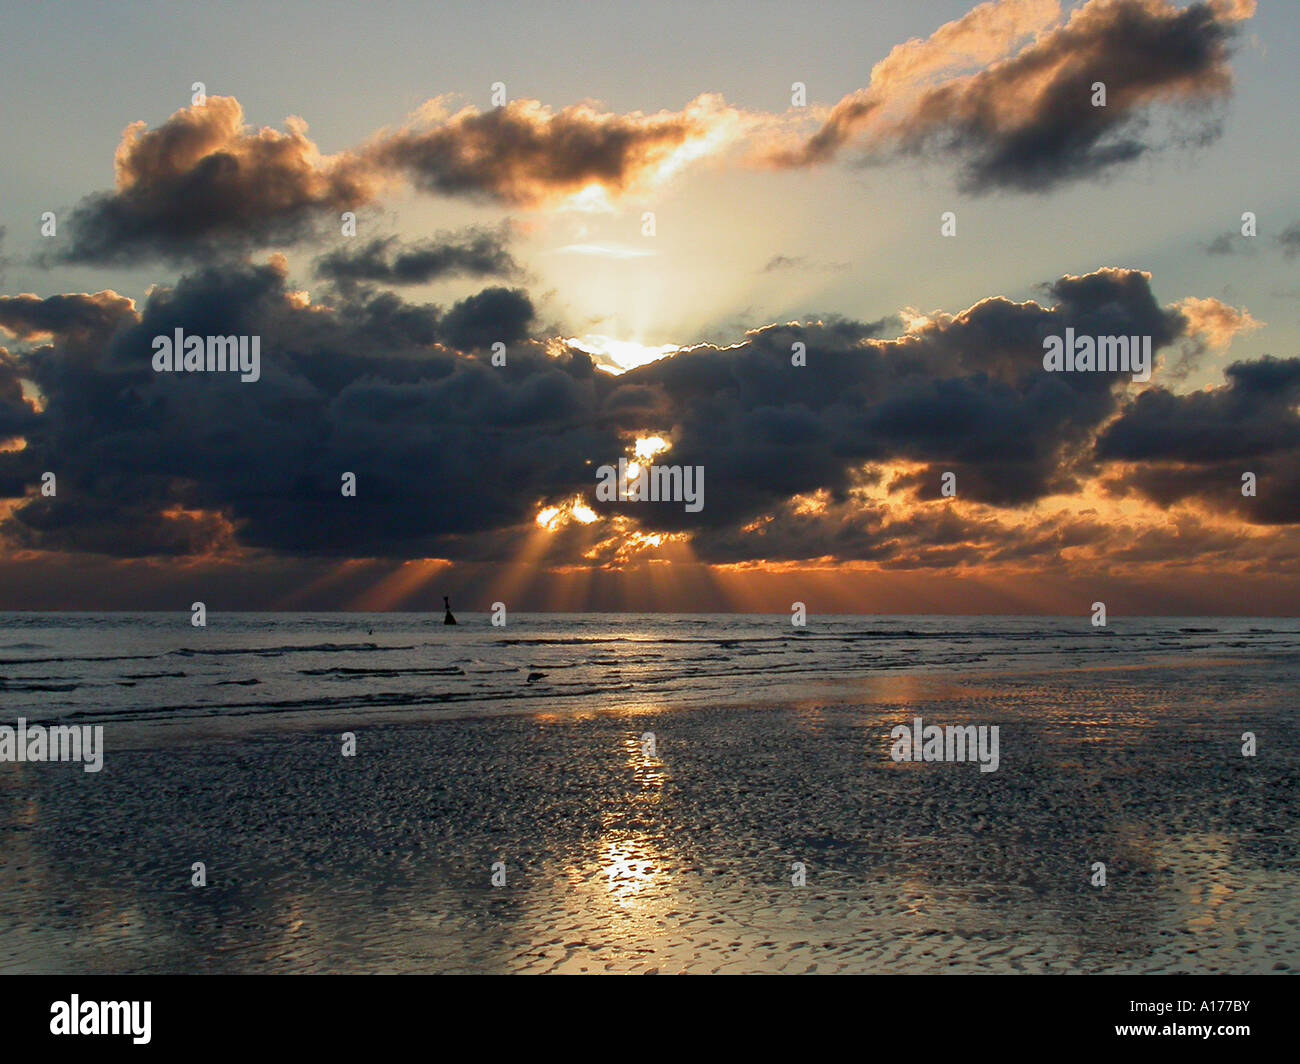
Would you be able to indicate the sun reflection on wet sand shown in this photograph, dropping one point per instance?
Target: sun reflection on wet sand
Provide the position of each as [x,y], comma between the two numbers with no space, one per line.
[648,838]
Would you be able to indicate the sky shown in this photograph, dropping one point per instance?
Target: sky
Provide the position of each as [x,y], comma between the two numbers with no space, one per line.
[813,252]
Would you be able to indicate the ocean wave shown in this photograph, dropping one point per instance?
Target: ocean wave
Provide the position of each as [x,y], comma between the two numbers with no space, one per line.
[345,670]
[373,700]
[21,687]
[76,658]
[288,648]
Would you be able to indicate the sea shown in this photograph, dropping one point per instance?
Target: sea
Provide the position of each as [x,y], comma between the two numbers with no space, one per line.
[158,667]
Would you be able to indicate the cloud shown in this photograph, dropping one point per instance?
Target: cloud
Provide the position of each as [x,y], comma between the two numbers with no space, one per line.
[79,321]
[963,391]
[1216,322]
[17,414]
[985,34]
[204,183]
[1289,240]
[442,443]
[1252,415]
[454,455]
[789,262]
[1197,446]
[783,262]
[525,154]
[1026,121]
[495,315]
[1228,244]
[1006,90]
[387,260]
[950,536]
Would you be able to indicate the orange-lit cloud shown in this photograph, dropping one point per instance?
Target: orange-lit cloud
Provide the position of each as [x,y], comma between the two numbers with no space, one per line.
[205,180]
[1028,118]
[526,154]
[1216,322]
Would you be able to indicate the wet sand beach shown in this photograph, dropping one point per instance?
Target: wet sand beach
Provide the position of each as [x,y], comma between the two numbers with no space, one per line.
[617,859]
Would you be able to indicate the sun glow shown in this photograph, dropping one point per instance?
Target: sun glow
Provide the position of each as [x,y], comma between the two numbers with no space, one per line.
[593,199]
[619,356]
[552,518]
[643,450]
[649,446]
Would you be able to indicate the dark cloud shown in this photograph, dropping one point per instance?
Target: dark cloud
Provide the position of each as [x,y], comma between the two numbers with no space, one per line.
[17,415]
[386,260]
[962,393]
[1217,486]
[1289,240]
[1252,415]
[495,315]
[1028,122]
[783,262]
[1197,446]
[787,262]
[148,527]
[443,445]
[79,323]
[203,184]
[1222,244]
[454,456]
[75,316]
[1230,243]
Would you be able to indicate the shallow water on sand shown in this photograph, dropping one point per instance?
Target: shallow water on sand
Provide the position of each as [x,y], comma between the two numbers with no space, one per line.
[157,669]
[616,860]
